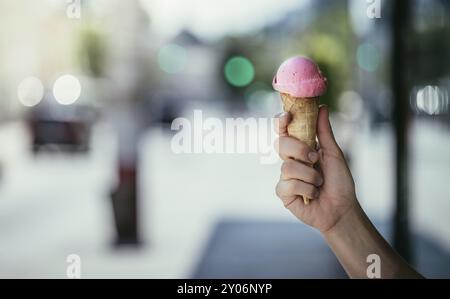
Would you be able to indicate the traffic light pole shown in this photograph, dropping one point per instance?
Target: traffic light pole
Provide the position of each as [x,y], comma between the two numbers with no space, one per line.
[401,89]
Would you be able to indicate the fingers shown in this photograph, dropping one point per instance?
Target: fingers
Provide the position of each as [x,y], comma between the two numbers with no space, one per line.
[291,148]
[292,188]
[281,122]
[325,133]
[291,169]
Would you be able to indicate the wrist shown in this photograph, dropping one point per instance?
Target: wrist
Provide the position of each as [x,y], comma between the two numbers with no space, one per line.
[352,240]
[352,218]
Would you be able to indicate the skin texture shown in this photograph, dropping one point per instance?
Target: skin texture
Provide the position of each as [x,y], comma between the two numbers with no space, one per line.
[333,197]
[334,210]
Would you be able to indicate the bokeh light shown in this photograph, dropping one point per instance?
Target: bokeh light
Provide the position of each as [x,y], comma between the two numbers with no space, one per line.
[368,57]
[172,58]
[239,71]
[261,100]
[351,105]
[67,89]
[30,91]
[256,86]
[327,48]
[431,100]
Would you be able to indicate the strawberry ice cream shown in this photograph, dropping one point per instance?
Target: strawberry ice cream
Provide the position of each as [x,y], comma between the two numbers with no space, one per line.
[300,77]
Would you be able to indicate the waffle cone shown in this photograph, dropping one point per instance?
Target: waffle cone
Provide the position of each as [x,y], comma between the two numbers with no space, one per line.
[304,112]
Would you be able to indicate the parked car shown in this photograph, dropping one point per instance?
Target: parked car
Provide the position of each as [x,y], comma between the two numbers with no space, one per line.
[58,127]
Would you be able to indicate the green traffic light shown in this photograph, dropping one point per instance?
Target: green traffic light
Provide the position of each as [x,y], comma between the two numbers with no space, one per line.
[239,71]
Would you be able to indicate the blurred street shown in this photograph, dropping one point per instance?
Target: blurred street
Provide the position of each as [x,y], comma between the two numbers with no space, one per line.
[90,89]
[51,207]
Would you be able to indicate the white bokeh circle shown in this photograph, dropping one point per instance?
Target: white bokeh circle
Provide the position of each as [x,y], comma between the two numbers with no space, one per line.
[67,89]
[30,91]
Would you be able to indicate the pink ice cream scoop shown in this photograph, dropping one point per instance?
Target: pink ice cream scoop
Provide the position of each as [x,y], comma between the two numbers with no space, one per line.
[300,77]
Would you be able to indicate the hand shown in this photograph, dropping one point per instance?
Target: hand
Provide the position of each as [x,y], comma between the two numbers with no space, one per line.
[328,183]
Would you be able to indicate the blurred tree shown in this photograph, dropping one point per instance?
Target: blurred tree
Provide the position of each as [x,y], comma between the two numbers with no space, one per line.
[92,51]
[329,41]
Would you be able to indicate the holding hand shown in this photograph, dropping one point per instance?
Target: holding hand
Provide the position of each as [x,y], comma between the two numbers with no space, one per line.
[328,183]
[334,209]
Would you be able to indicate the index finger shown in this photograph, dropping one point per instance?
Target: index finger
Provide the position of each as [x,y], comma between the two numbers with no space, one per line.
[281,122]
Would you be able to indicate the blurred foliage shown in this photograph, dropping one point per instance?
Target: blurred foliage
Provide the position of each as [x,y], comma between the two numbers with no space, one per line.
[328,40]
[92,51]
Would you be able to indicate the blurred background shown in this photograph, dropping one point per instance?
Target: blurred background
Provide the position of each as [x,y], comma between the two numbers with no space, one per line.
[89,89]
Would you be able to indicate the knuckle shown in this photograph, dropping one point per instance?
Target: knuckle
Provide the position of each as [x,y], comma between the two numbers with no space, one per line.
[286,167]
[276,145]
[281,144]
[278,189]
[290,187]
[310,191]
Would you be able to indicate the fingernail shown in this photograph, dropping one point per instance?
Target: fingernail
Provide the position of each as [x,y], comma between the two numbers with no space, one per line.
[320,181]
[313,157]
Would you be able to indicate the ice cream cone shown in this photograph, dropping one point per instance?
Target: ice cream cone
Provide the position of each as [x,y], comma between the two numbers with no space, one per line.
[304,112]
[300,84]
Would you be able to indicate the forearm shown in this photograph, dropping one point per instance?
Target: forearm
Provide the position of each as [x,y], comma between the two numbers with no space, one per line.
[354,238]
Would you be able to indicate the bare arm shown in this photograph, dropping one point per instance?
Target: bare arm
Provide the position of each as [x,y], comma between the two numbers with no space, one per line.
[354,238]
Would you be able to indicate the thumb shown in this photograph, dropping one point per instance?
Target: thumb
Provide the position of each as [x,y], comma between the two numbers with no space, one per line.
[325,132]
